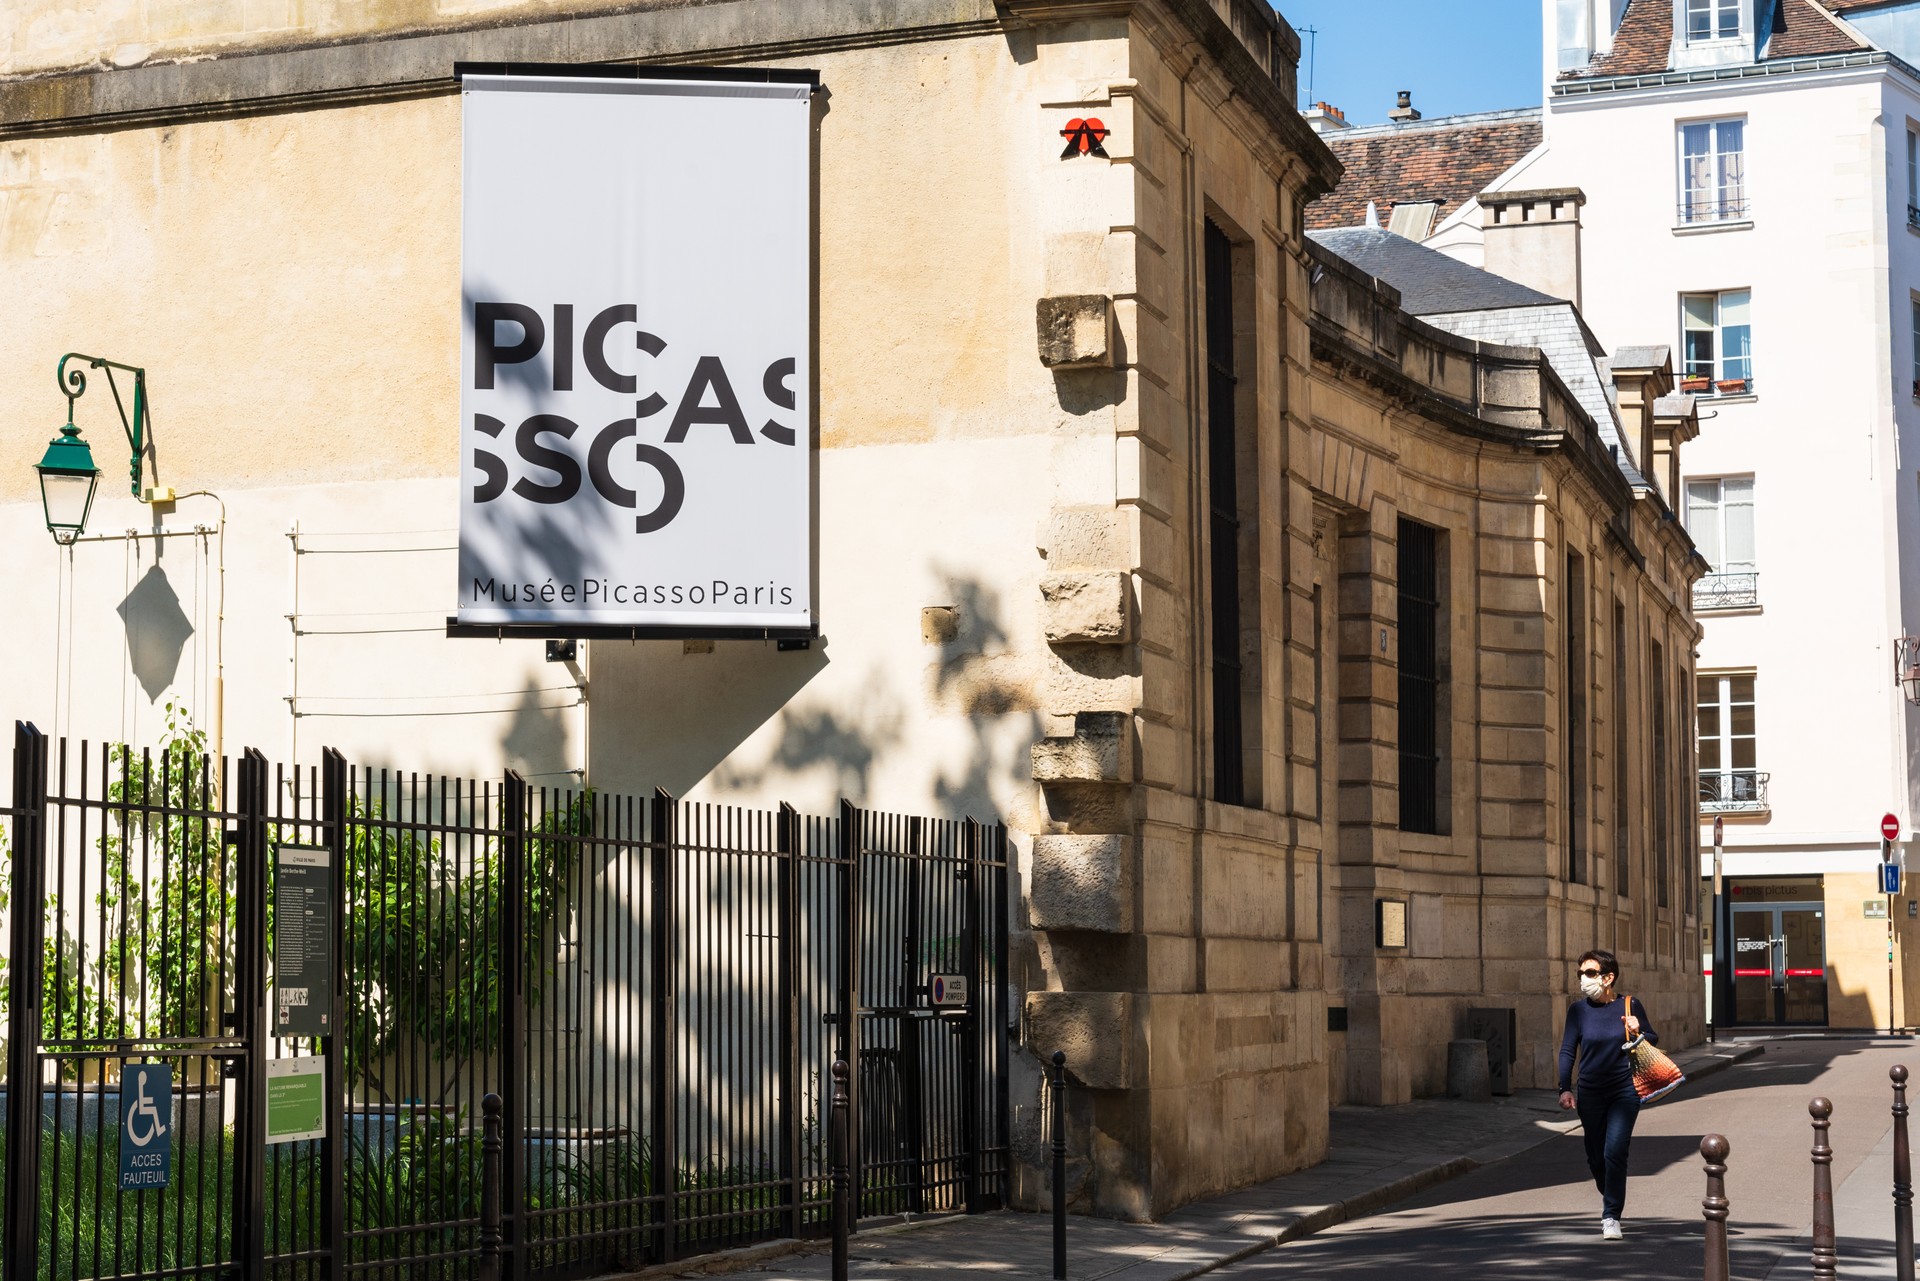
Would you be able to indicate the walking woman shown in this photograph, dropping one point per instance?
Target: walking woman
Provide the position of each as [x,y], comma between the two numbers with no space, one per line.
[1598,1027]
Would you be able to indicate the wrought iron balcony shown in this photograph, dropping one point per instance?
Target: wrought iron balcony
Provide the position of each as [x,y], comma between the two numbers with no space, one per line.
[1733,791]
[1715,205]
[1726,591]
[1913,215]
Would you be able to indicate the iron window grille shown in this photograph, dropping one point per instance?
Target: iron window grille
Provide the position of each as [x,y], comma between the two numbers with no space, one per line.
[1726,591]
[1738,791]
[1715,204]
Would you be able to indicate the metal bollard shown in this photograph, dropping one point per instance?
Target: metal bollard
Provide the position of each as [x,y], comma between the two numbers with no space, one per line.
[489,1266]
[1826,1259]
[1059,1166]
[1714,1206]
[837,1136]
[1902,1179]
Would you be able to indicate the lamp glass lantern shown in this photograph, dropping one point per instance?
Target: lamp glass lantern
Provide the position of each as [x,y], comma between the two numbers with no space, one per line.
[1906,651]
[67,481]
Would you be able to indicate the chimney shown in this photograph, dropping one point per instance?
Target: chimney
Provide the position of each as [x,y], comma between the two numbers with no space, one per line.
[1403,111]
[1533,237]
[1326,118]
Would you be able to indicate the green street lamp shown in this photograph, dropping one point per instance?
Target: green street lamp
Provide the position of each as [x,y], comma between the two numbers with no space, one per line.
[67,481]
[67,474]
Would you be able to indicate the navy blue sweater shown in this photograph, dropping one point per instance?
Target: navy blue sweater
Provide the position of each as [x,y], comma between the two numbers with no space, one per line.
[1597,1033]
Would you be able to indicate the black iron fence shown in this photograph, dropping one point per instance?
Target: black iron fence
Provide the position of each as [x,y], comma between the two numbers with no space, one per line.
[654,987]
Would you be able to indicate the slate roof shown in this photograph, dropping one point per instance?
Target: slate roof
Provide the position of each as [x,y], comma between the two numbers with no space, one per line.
[1641,357]
[1644,38]
[1449,159]
[1429,281]
[1480,305]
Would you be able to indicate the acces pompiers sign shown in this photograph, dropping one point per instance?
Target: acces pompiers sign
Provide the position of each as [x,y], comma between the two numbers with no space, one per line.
[635,349]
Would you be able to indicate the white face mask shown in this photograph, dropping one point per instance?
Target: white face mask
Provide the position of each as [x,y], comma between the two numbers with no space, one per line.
[1593,988]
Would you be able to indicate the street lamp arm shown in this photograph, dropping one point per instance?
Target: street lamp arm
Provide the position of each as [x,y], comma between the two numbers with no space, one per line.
[73,385]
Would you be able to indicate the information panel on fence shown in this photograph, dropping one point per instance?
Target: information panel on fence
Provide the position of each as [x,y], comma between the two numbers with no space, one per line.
[635,350]
[296,1099]
[302,940]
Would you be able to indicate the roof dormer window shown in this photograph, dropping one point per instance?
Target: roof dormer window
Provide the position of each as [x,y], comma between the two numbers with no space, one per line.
[1712,20]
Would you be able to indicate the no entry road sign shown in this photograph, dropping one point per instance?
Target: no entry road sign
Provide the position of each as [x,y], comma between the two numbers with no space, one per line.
[1889,828]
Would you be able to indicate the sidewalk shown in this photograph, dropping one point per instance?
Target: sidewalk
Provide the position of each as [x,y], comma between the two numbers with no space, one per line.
[1378,1156]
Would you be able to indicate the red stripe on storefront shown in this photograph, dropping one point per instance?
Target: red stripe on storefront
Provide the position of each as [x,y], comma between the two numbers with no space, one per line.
[1751,974]
[1805,974]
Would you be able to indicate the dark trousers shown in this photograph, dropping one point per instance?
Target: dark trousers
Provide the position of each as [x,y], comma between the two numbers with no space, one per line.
[1607,1116]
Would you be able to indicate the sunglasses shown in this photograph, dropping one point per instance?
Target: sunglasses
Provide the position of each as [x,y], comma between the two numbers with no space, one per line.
[1590,974]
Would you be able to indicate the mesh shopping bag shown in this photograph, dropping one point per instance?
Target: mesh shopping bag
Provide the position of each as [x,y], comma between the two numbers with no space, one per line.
[1654,1074]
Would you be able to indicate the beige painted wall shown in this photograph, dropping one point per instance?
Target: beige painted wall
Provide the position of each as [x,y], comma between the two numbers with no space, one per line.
[1857,988]
[46,35]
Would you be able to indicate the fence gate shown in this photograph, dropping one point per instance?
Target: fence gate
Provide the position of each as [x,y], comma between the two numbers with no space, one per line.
[655,988]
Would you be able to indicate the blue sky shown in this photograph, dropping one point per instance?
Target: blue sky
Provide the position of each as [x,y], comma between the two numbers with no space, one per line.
[1456,55]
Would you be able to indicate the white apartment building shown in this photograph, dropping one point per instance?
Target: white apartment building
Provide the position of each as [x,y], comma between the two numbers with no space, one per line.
[1748,181]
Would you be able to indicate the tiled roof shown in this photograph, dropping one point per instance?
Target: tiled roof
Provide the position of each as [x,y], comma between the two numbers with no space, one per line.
[1429,282]
[1640,42]
[1644,39]
[1801,30]
[1450,160]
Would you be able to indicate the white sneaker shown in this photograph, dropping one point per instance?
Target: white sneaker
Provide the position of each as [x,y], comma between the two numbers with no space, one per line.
[1610,1230]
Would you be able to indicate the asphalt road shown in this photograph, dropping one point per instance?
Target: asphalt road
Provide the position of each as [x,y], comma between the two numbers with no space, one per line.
[1539,1213]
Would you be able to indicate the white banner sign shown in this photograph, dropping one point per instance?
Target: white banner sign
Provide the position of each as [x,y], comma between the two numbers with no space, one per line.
[635,338]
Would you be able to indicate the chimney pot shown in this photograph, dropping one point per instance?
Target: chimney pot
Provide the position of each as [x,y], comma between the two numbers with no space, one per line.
[1406,98]
[1404,111]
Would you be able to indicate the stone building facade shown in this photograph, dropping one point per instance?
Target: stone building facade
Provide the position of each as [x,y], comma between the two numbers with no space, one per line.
[1117,477]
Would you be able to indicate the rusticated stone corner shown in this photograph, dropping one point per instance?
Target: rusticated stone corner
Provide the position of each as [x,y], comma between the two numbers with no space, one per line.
[1076,331]
[1093,1029]
[1083,883]
[1088,608]
[1099,751]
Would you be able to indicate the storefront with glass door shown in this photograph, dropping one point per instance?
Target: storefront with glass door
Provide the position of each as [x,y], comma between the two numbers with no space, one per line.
[1777,932]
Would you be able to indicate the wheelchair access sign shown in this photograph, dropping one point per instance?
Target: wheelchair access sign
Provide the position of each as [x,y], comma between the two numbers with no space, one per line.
[146,1126]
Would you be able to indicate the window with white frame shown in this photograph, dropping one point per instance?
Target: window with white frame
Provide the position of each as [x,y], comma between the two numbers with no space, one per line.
[1729,753]
[1720,518]
[1914,303]
[1913,178]
[1713,178]
[1712,20]
[1716,332]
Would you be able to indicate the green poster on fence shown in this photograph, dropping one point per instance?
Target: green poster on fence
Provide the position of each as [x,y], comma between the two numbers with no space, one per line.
[296,1099]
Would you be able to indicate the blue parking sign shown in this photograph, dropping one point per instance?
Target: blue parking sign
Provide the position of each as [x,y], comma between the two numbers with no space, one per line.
[1889,878]
[146,1126]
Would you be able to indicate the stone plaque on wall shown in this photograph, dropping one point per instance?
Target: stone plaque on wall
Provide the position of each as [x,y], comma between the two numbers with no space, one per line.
[1389,923]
